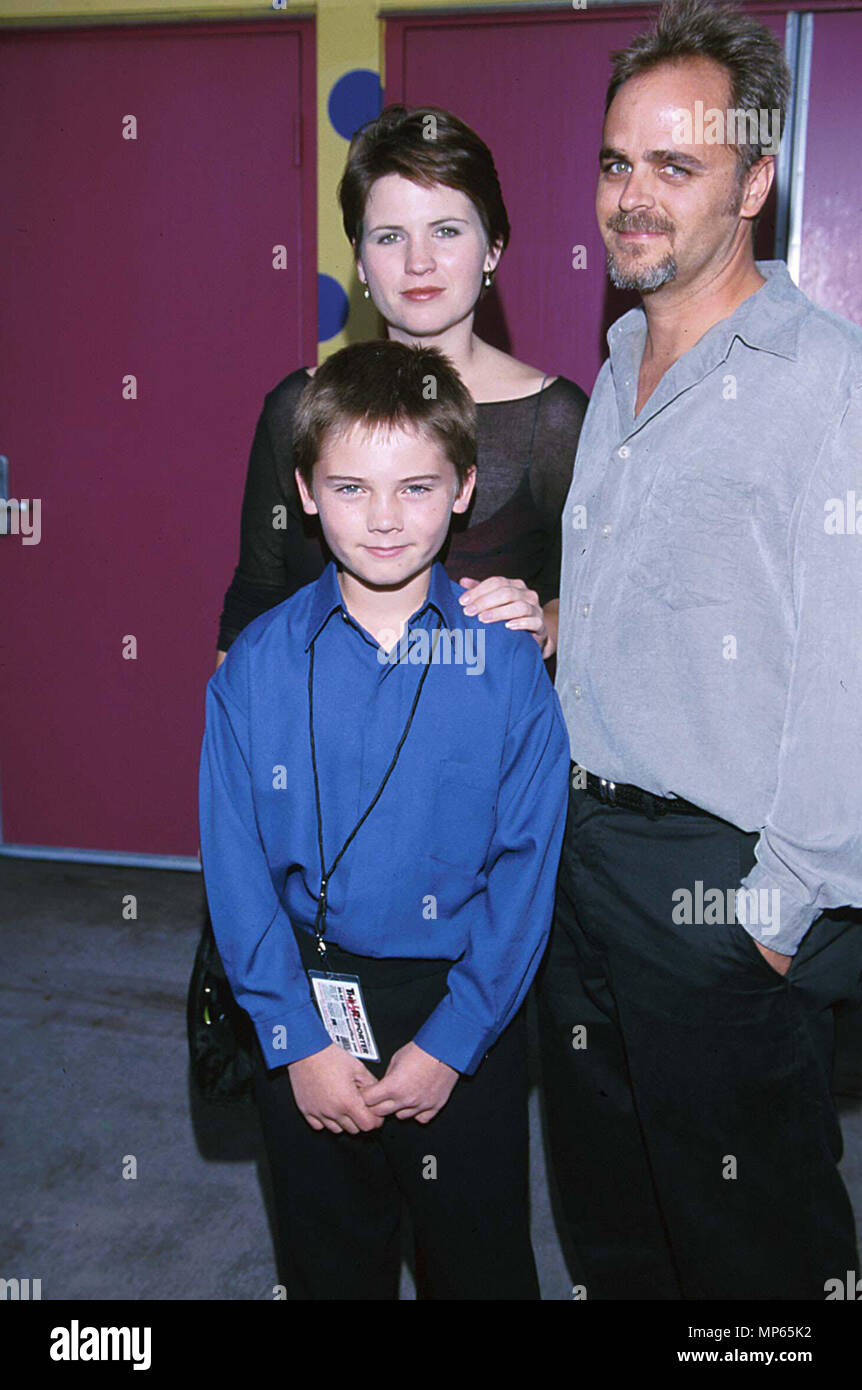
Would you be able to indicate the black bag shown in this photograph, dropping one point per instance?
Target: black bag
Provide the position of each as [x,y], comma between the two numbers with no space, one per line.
[221,1034]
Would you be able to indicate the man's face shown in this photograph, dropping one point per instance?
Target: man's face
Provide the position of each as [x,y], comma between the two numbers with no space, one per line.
[668,210]
[384,501]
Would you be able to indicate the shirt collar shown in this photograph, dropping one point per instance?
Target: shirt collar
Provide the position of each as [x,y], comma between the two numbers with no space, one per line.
[767,319]
[327,599]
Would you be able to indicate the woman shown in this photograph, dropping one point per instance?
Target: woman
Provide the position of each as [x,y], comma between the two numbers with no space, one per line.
[423,210]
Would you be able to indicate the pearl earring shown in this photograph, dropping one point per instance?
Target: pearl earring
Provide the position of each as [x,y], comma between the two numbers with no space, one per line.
[488,280]
[366,291]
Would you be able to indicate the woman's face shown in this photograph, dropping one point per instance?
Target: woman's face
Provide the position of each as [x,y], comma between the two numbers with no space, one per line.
[423,254]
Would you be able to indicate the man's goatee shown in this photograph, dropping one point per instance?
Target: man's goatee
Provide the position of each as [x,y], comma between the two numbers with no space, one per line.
[650,278]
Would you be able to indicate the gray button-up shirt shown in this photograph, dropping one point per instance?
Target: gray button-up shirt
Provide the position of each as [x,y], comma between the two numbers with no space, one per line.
[711,595]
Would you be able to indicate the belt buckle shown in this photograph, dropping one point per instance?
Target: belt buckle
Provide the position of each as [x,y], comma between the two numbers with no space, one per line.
[655,807]
[608,791]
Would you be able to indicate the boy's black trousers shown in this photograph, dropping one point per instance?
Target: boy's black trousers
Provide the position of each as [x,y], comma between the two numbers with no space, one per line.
[692,1130]
[464,1175]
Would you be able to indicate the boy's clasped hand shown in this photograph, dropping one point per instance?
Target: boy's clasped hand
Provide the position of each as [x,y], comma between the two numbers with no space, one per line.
[337,1092]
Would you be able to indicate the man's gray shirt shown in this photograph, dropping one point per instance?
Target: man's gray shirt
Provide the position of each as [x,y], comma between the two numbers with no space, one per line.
[711,594]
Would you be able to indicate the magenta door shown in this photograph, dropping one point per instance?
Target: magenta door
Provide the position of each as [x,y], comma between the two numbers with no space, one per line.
[533,86]
[145,318]
[832,192]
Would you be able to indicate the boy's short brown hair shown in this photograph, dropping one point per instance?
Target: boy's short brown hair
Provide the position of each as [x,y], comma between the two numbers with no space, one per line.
[390,385]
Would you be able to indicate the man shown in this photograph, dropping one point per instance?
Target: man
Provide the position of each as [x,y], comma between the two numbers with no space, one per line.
[710,672]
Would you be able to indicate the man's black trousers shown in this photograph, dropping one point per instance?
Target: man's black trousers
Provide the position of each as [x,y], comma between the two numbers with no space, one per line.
[692,1131]
[464,1175]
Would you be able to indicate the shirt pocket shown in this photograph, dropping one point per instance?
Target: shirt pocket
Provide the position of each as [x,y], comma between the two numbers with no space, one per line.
[464,806]
[695,531]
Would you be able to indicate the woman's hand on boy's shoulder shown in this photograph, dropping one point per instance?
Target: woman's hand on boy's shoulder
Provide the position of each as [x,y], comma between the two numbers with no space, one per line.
[416,1086]
[328,1089]
[509,601]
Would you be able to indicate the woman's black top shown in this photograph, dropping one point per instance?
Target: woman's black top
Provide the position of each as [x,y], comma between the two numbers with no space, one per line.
[526,449]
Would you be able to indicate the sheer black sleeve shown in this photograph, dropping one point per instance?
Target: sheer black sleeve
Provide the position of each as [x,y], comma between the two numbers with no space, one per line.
[557,432]
[280,548]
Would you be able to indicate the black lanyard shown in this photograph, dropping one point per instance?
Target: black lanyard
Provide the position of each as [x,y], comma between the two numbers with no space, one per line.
[326,874]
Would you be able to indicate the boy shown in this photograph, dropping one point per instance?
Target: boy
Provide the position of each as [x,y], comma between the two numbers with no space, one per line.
[383,792]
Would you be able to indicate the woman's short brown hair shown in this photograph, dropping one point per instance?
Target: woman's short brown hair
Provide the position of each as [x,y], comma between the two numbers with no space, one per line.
[428,146]
[387,384]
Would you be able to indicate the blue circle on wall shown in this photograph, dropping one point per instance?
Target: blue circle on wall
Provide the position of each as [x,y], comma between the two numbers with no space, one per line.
[355,98]
[333,307]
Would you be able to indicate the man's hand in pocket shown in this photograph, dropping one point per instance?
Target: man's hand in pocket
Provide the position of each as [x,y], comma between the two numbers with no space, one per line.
[774,958]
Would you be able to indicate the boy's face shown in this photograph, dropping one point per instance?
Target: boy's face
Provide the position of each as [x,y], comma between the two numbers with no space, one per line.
[384,500]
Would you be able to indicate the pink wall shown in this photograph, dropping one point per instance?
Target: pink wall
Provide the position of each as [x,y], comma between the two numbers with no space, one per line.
[539,106]
[151,257]
[832,206]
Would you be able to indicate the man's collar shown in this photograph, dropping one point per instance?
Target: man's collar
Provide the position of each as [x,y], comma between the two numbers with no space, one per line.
[328,599]
[767,319]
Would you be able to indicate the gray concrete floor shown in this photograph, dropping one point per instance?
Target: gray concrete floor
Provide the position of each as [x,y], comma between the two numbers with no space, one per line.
[94,1074]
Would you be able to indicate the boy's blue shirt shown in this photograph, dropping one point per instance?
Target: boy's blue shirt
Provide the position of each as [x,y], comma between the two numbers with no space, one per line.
[458,859]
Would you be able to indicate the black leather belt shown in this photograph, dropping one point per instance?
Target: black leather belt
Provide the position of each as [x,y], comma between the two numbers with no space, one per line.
[634,799]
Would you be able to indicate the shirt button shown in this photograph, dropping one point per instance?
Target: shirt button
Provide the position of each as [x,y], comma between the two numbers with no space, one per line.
[624,451]
[586,610]
[576,691]
[606,531]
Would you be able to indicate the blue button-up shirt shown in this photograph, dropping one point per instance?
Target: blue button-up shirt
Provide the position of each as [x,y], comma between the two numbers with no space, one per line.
[710,634]
[457,861]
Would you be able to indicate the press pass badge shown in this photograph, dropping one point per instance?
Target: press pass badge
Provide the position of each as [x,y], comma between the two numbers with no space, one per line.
[342,1008]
